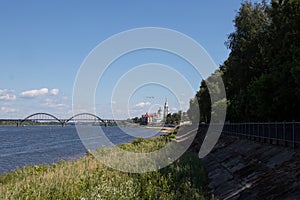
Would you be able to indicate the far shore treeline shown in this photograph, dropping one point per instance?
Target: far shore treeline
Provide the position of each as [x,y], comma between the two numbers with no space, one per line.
[262,73]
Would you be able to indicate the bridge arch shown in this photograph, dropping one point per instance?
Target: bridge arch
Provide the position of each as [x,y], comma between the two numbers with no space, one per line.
[80,114]
[28,117]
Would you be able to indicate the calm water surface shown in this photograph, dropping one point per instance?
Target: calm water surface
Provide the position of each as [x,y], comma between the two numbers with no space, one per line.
[31,145]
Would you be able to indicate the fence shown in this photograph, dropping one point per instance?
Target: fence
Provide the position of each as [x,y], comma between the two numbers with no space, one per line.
[273,132]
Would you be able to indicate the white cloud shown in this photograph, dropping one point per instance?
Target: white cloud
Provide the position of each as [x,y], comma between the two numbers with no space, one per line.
[7,95]
[174,109]
[183,102]
[54,91]
[39,92]
[119,111]
[54,104]
[64,97]
[3,91]
[8,110]
[136,112]
[34,93]
[142,104]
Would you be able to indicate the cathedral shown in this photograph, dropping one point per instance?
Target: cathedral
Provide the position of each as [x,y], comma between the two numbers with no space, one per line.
[156,117]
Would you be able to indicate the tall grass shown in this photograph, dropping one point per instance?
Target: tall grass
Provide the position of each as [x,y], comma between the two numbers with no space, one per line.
[87,178]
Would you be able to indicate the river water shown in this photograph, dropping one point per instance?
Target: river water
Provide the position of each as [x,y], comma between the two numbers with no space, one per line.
[31,145]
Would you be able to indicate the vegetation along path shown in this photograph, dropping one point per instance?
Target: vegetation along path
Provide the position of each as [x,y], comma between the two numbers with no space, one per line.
[87,178]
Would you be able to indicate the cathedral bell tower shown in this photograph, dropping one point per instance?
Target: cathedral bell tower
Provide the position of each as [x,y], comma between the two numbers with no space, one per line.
[166,109]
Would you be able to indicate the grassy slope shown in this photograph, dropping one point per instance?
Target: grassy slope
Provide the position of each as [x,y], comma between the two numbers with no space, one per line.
[87,178]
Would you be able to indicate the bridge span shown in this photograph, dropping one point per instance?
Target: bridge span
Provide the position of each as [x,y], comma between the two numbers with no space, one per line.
[47,118]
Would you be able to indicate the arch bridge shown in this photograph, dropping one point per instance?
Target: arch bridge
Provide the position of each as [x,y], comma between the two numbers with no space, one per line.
[81,118]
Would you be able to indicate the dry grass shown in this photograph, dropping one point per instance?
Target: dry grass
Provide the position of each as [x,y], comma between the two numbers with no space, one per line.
[87,178]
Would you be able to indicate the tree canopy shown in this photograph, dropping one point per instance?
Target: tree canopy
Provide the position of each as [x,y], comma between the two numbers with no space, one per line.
[262,72]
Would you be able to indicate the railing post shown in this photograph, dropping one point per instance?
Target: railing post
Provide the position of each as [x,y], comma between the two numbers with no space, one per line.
[293,124]
[258,135]
[252,131]
[276,128]
[248,132]
[284,133]
[270,140]
[263,129]
[233,128]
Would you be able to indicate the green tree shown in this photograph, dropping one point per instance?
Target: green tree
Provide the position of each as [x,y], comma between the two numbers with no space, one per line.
[174,118]
[262,73]
[193,112]
[275,94]
[246,60]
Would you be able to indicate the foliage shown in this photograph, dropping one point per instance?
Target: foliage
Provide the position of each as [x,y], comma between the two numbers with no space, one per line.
[87,178]
[262,73]
[204,104]
[193,111]
[173,118]
[136,120]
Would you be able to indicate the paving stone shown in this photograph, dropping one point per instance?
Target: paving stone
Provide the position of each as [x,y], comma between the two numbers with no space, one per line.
[280,158]
[236,167]
[220,179]
[215,173]
[227,187]
[232,161]
[268,171]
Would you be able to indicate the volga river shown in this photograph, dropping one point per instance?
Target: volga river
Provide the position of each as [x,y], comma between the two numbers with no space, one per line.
[31,145]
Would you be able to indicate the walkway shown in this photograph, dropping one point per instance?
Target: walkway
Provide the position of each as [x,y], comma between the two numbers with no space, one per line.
[243,169]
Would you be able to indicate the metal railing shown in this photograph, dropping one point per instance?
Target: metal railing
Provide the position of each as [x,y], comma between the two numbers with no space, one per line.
[273,132]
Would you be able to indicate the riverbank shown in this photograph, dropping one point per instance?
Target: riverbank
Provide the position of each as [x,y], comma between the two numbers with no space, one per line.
[166,130]
[87,178]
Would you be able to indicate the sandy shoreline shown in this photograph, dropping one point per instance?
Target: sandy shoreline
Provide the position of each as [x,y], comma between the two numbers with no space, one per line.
[162,129]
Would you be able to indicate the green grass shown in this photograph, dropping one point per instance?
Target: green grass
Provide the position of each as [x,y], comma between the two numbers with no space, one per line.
[87,178]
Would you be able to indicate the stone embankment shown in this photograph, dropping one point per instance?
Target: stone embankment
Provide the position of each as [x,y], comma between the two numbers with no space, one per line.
[243,169]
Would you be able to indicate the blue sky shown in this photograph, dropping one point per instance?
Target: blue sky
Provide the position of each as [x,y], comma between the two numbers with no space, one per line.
[43,44]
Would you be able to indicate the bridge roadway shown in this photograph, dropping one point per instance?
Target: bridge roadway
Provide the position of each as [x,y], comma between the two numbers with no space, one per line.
[47,118]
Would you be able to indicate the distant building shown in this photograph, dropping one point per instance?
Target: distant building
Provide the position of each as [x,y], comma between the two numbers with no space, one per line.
[158,117]
[146,119]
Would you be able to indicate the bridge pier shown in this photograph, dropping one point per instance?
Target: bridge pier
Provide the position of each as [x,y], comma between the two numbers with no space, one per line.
[63,123]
